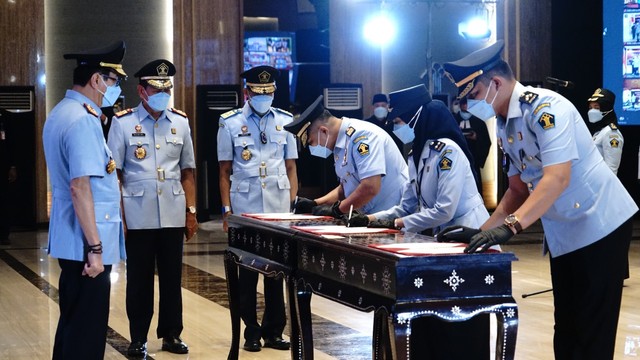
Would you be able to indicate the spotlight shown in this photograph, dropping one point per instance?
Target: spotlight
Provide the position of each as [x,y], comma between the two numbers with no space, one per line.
[476,28]
[380,30]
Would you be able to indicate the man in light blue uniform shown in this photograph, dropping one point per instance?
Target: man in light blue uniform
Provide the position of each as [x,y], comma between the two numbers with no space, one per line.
[153,151]
[557,175]
[257,175]
[371,169]
[85,228]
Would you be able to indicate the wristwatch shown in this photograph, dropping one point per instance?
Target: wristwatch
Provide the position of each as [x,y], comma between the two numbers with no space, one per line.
[226,209]
[512,222]
[191,209]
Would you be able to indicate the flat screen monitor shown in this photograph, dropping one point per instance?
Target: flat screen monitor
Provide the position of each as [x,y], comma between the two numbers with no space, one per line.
[273,48]
[621,57]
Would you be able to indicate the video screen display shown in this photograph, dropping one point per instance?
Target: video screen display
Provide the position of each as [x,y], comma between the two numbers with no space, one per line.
[274,49]
[621,57]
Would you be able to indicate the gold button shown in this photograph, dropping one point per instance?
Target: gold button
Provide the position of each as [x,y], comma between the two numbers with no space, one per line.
[530,157]
[348,174]
[244,143]
[156,125]
[174,141]
[264,185]
[576,205]
[262,163]
[106,217]
[139,142]
[530,185]
[159,192]
[157,146]
[510,139]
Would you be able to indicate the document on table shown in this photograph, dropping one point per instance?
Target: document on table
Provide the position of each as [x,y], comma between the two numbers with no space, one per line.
[342,230]
[428,248]
[285,216]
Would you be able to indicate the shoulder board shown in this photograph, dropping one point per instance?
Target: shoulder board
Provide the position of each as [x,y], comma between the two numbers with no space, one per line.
[437,145]
[231,113]
[124,112]
[283,111]
[91,110]
[350,131]
[528,97]
[613,126]
[179,112]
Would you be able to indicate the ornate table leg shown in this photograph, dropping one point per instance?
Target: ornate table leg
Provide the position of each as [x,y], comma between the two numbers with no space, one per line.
[303,311]
[382,343]
[507,318]
[296,339]
[231,271]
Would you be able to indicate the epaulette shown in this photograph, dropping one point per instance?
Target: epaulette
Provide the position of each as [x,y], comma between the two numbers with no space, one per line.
[283,111]
[528,97]
[179,112]
[437,145]
[124,112]
[231,113]
[613,126]
[91,110]
[350,130]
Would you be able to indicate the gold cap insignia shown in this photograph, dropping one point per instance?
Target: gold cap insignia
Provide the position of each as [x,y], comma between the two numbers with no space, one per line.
[264,77]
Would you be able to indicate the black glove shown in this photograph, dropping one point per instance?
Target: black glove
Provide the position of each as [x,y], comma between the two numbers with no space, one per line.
[328,210]
[456,233]
[303,205]
[488,238]
[358,219]
[382,224]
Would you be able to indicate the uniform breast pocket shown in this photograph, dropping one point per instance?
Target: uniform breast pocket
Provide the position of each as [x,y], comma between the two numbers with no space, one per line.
[278,142]
[174,146]
[138,148]
[242,143]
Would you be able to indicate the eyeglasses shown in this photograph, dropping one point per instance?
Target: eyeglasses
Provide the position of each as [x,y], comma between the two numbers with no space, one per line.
[115,80]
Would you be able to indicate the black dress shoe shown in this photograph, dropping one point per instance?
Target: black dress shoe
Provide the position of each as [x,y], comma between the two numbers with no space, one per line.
[174,344]
[252,345]
[277,343]
[137,349]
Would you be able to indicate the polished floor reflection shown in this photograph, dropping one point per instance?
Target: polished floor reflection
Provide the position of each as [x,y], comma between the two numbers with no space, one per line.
[29,308]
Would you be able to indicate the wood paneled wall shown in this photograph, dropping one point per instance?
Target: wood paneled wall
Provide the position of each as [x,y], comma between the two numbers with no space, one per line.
[208,46]
[22,64]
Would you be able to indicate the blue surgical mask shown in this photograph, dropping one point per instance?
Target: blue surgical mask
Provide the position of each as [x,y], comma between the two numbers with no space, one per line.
[465,115]
[319,150]
[481,108]
[261,103]
[380,112]
[405,132]
[159,101]
[110,95]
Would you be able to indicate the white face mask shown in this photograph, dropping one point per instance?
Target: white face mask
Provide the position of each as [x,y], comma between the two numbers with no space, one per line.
[596,115]
[465,115]
[380,112]
[405,132]
[481,108]
[455,109]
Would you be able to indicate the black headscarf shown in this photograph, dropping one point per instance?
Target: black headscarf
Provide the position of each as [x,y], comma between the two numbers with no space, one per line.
[435,122]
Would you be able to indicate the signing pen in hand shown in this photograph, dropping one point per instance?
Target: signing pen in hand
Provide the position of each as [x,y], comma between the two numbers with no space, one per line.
[350,213]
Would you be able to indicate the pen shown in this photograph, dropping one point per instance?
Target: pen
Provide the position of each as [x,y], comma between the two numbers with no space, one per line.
[350,212]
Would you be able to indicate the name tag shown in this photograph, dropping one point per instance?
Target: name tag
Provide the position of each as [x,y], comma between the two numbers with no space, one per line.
[138,134]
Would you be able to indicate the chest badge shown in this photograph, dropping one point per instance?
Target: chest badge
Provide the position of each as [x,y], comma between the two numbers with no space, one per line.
[246,154]
[111,166]
[173,131]
[140,153]
[244,129]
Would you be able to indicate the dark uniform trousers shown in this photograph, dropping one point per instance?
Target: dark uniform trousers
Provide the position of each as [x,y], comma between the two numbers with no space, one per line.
[147,249]
[587,291]
[274,317]
[84,313]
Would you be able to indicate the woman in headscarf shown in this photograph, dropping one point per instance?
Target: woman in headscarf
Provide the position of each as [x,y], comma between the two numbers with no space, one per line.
[442,192]
[603,124]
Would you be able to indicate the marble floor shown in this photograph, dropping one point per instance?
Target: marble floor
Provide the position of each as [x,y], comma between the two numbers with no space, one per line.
[29,309]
